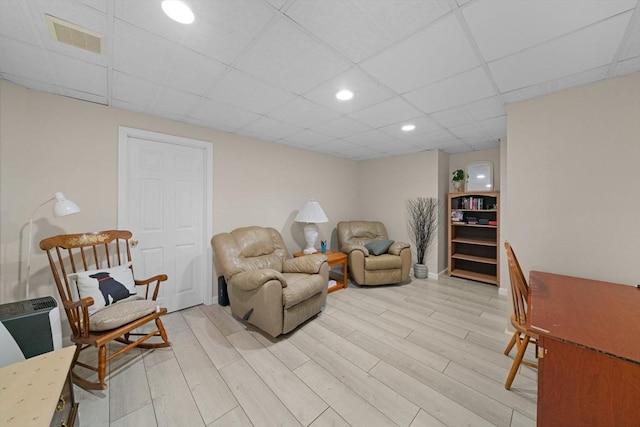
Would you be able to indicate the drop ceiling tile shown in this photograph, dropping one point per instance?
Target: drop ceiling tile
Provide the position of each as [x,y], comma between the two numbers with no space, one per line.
[452,92]
[25,60]
[149,16]
[589,48]
[494,128]
[486,145]
[223,29]
[386,112]
[455,147]
[14,23]
[308,138]
[472,112]
[505,27]
[243,91]
[304,113]
[422,123]
[470,133]
[140,53]
[367,91]
[555,85]
[439,51]
[341,128]
[85,96]
[32,84]
[431,139]
[356,153]
[193,72]
[277,3]
[401,18]
[344,26]
[372,137]
[167,115]
[208,124]
[632,45]
[336,146]
[175,102]
[134,90]
[631,65]
[138,108]
[100,5]
[482,131]
[271,129]
[393,146]
[78,75]
[219,115]
[288,58]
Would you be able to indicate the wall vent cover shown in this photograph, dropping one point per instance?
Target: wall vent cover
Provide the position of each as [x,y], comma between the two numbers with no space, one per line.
[74,35]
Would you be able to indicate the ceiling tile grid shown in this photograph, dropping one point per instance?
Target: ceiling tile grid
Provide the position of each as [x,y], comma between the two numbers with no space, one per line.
[270,69]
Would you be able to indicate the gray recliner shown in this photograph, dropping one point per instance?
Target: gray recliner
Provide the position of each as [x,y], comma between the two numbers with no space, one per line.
[368,264]
[267,288]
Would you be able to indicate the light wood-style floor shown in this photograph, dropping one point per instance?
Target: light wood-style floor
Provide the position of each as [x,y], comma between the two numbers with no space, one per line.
[428,353]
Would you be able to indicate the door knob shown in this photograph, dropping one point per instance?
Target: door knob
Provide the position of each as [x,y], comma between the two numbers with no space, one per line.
[133,243]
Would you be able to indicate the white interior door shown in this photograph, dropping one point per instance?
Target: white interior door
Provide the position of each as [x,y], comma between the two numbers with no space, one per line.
[164,200]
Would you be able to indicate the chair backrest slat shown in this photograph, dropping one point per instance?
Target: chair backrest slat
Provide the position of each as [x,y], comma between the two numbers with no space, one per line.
[519,287]
[73,253]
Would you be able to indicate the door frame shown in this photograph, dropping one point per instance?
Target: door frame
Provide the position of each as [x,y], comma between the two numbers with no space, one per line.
[126,132]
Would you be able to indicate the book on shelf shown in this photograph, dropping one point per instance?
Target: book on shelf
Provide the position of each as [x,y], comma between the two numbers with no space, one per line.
[473,203]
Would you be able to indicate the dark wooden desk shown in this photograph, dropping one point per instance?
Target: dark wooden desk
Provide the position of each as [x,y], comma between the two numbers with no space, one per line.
[589,351]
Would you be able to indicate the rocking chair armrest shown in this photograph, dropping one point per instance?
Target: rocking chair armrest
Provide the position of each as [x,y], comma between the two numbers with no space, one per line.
[158,278]
[146,282]
[79,317]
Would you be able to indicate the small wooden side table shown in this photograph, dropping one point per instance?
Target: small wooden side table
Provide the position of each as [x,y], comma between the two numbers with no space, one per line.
[334,258]
[37,392]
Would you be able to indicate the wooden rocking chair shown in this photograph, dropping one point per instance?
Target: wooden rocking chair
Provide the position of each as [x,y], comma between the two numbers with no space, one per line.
[521,337]
[74,254]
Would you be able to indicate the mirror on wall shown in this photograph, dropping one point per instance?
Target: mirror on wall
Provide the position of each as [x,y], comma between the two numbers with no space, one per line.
[480,176]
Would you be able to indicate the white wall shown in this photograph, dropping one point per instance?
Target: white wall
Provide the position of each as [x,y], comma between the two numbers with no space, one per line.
[573,168]
[50,143]
[384,185]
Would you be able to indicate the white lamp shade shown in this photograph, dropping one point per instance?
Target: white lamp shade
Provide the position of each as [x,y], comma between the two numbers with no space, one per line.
[64,207]
[311,212]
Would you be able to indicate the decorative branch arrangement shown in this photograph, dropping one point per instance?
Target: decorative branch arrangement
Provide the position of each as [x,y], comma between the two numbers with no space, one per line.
[423,223]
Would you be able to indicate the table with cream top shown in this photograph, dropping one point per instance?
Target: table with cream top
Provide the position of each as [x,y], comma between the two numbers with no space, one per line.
[333,258]
[38,391]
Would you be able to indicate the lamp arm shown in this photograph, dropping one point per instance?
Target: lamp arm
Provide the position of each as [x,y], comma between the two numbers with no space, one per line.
[30,244]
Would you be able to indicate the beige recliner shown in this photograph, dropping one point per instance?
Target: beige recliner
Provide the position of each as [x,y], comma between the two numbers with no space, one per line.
[373,258]
[265,287]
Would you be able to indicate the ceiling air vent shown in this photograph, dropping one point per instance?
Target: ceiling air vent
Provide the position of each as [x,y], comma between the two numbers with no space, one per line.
[66,32]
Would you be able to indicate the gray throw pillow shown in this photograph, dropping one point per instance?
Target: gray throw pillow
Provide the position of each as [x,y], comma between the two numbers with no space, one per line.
[378,247]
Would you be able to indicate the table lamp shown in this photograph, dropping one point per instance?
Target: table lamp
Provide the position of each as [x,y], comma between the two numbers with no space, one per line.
[310,214]
[61,207]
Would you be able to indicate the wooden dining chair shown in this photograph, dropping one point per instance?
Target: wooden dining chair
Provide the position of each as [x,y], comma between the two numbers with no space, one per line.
[102,300]
[521,337]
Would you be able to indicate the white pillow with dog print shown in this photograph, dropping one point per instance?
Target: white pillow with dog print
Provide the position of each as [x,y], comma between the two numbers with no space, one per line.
[106,286]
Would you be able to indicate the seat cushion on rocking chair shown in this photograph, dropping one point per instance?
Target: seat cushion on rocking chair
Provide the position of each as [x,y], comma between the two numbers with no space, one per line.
[121,313]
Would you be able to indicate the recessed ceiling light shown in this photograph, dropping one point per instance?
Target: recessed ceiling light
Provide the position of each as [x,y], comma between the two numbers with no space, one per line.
[480,176]
[408,128]
[344,95]
[178,11]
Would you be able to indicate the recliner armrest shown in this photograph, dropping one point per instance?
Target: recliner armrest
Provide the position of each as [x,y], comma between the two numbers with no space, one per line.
[397,247]
[350,247]
[253,279]
[309,264]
